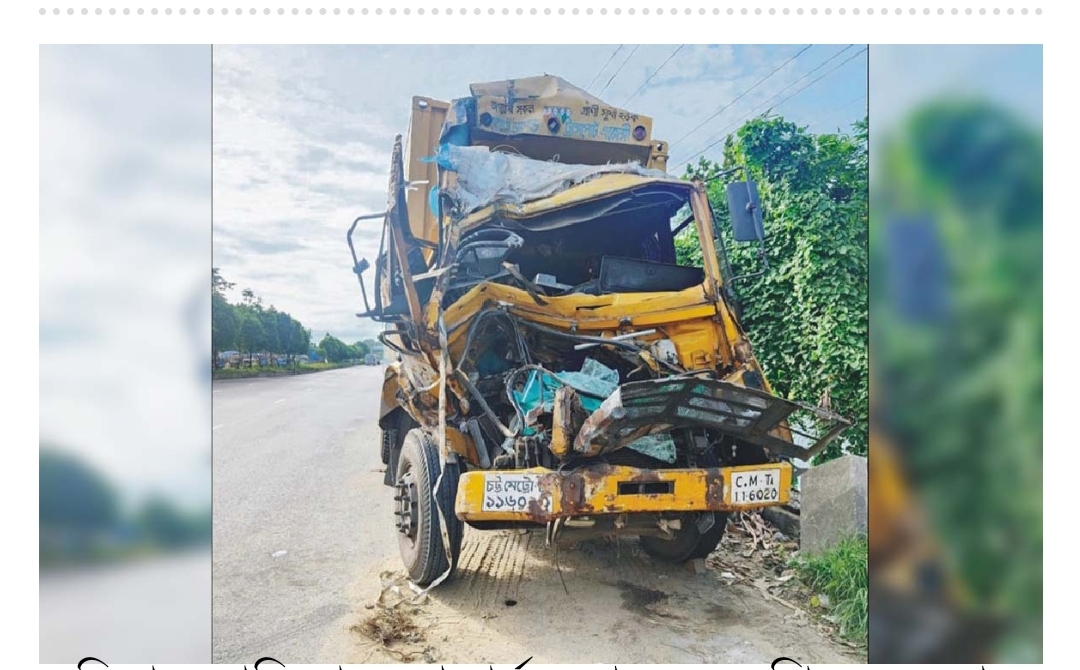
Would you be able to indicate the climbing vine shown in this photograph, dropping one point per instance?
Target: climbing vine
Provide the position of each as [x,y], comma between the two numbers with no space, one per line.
[807,316]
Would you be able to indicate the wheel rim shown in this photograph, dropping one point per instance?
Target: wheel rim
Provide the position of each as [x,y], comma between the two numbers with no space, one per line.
[405,506]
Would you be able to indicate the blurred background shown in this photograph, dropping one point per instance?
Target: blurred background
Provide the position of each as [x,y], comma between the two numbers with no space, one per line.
[956,354]
[124,354]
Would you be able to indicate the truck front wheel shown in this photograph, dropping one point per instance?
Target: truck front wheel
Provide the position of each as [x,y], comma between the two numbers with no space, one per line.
[710,539]
[417,506]
[680,548]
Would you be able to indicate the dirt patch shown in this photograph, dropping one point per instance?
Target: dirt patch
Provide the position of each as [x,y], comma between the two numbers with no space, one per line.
[618,606]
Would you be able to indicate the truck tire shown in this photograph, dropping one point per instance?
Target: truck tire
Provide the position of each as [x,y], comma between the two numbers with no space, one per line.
[679,549]
[419,536]
[689,542]
[711,538]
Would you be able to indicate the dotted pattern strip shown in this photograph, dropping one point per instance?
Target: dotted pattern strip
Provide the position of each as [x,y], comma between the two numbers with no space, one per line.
[547,11]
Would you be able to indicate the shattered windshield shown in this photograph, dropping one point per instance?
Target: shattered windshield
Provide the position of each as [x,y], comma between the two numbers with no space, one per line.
[622,242]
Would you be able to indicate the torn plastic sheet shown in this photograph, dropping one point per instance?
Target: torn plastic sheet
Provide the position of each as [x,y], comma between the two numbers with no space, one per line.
[485,177]
[594,382]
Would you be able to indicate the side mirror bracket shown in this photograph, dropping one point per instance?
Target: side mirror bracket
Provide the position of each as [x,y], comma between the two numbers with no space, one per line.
[361,264]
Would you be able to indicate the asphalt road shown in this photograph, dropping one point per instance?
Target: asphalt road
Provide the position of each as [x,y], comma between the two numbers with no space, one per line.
[305,554]
[296,470]
[94,611]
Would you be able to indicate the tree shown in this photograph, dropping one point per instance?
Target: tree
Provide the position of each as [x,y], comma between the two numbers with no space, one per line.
[223,327]
[251,334]
[361,348]
[271,340]
[73,495]
[162,523]
[222,324]
[250,328]
[286,334]
[807,317]
[218,282]
[250,299]
[335,350]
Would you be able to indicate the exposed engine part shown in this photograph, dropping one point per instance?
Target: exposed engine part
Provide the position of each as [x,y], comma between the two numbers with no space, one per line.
[472,428]
[664,351]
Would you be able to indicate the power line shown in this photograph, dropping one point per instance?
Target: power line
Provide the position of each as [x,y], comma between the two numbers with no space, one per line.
[618,70]
[724,134]
[835,109]
[786,88]
[606,63]
[743,120]
[647,80]
[740,96]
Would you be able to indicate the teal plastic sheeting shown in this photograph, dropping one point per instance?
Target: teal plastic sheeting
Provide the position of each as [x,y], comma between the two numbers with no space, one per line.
[594,383]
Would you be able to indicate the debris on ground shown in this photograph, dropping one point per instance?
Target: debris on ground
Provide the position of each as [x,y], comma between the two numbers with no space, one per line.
[393,626]
[390,626]
[754,553]
[397,589]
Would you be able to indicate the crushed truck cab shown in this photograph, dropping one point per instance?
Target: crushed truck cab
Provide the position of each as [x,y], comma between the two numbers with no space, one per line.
[556,365]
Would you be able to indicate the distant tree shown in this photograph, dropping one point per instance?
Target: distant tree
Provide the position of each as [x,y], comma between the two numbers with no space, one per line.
[251,328]
[251,335]
[271,340]
[250,299]
[218,282]
[222,316]
[161,522]
[223,327]
[335,350]
[304,342]
[73,495]
[286,334]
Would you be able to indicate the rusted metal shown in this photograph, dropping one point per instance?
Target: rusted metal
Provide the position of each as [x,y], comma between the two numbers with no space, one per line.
[714,487]
[603,489]
[397,214]
[567,417]
[461,444]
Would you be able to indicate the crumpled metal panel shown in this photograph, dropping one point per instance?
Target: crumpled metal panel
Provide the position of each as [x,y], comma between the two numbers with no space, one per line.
[784,427]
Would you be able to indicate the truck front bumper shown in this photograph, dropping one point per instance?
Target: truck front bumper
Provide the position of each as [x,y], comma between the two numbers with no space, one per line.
[540,495]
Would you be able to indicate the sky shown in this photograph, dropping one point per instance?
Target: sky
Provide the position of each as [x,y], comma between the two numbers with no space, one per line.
[1010,75]
[124,225]
[302,136]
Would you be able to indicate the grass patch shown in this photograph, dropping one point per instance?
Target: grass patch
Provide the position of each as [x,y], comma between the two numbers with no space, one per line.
[841,574]
[256,371]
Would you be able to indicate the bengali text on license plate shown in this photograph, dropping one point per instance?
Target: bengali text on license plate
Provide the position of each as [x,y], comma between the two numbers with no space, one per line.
[753,487]
[513,493]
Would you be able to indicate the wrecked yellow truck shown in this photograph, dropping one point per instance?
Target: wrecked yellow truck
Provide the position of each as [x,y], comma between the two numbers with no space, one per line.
[556,368]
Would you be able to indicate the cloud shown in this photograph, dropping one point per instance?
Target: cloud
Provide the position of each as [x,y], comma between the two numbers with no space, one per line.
[124,247]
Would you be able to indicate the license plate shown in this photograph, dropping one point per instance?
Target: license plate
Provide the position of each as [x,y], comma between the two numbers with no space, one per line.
[511,493]
[755,487]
